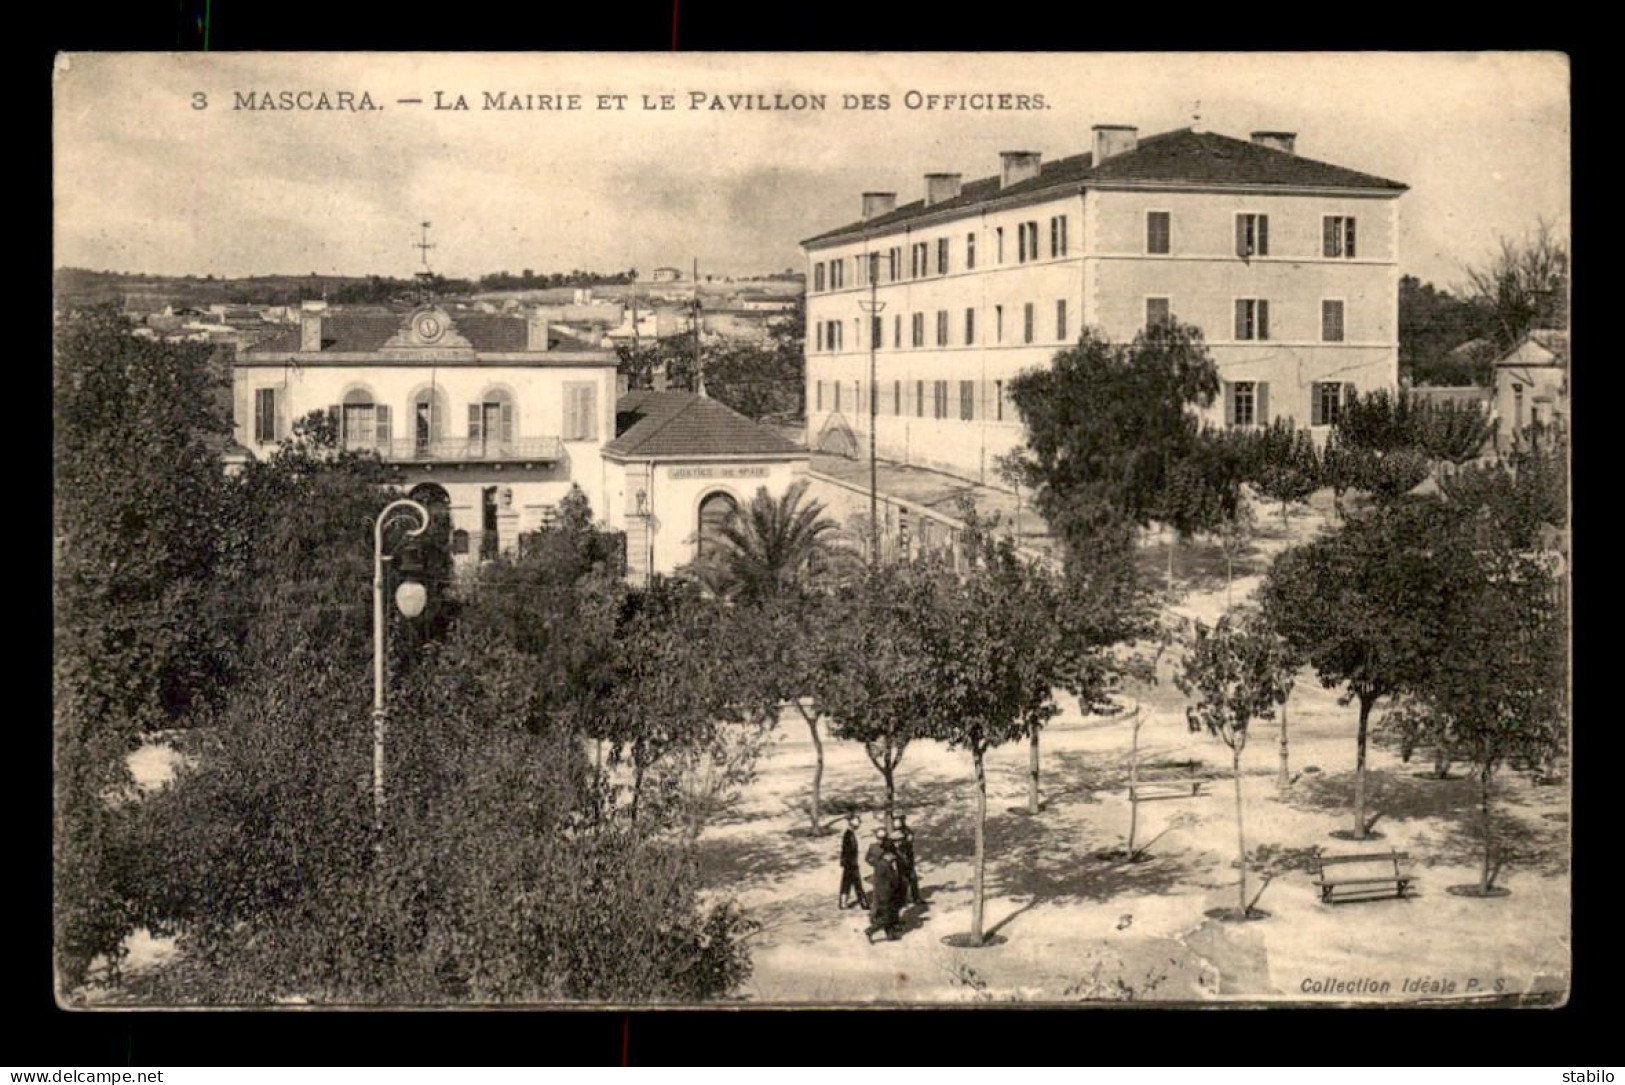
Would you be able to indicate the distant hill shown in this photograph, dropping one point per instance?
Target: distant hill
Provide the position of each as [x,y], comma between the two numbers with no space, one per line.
[82,286]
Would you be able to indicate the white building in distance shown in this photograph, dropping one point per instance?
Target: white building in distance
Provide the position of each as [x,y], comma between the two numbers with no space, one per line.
[1289,267]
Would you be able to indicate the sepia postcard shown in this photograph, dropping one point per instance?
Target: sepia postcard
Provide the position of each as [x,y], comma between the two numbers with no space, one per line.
[808,530]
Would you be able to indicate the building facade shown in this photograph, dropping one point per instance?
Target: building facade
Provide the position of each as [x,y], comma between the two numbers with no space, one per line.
[1532,389]
[493,415]
[1287,265]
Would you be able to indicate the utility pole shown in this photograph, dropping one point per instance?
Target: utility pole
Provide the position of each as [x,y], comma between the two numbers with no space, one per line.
[873,308]
[699,364]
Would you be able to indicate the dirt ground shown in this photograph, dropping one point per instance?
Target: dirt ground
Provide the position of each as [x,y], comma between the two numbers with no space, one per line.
[1075,925]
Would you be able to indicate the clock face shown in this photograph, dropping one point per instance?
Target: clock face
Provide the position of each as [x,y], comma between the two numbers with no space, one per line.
[429,327]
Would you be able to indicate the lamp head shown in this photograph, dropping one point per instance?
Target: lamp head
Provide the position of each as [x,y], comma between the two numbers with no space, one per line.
[411,597]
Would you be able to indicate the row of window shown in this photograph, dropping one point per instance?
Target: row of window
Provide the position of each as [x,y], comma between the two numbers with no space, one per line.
[963,400]
[1253,318]
[926,259]
[1253,235]
[1338,241]
[1252,324]
[827,333]
[1247,403]
[363,422]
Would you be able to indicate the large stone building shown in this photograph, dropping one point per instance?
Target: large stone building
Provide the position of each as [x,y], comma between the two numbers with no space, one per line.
[495,414]
[1289,267]
[498,416]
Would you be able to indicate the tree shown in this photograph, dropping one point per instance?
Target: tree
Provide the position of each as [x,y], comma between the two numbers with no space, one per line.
[139,636]
[772,548]
[996,653]
[1236,672]
[1105,425]
[1525,285]
[507,875]
[1287,465]
[674,699]
[1455,433]
[1361,606]
[871,672]
[1497,690]
[1433,327]
[776,640]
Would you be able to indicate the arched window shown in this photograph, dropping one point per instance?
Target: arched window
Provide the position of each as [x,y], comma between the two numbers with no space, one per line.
[491,419]
[363,423]
[714,513]
[428,418]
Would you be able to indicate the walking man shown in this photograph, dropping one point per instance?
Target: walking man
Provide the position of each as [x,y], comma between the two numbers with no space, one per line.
[905,856]
[883,905]
[851,876]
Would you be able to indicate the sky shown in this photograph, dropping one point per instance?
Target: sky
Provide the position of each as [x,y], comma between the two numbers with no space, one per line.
[146,181]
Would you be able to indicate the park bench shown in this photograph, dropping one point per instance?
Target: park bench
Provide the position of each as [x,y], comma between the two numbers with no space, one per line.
[1362,877]
[1172,787]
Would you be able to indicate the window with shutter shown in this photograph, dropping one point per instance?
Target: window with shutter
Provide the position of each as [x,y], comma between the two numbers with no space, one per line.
[1348,239]
[382,423]
[1331,320]
[1027,323]
[1244,323]
[896,397]
[1060,319]
[1156,312]
[1317,416]
[1263,319]
[970,326]
[1329,236]
[1263,235]
[942,327]
[473,421]
[1229,403]
[1157,231]
[1261,402]
[507,423]
[970,252]
[967,401]
[265,406]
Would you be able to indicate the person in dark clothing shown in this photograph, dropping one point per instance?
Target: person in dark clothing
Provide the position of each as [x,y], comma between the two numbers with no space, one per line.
[906,865]
[883,909]
[851,876]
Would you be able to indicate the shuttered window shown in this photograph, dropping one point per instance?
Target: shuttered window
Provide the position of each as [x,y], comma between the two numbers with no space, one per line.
[1331,321]
[942,327]
[1252,319]
[265,415]
[1157,232]
[939,399]
[970,326]
[1337,236]
[1060,319]
[1027,323]
[1252,235]
[1158,312]
[967,401]
[580,411]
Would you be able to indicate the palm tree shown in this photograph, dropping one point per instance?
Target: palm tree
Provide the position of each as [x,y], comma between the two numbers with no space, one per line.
[772,547]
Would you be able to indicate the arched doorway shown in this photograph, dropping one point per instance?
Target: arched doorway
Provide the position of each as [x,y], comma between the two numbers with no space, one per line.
[715,510]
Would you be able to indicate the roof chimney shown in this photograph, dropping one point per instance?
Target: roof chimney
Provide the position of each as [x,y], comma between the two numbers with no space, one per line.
[536,337]
[1017,166]
[1277,141]
[1112,140]
[310,325]
[878,203]
[940,186]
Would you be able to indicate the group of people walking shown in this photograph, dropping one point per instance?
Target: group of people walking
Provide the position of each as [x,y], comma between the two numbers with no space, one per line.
[895,879]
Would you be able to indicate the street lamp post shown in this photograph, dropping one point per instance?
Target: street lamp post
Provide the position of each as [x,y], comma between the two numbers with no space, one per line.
[873,307]
[410,598]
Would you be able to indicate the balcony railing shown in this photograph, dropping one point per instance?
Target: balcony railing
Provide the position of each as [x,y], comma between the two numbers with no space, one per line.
[464,450]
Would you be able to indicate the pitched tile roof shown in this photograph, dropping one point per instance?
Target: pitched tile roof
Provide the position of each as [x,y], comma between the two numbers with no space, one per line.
[1180,156]
[659,424]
